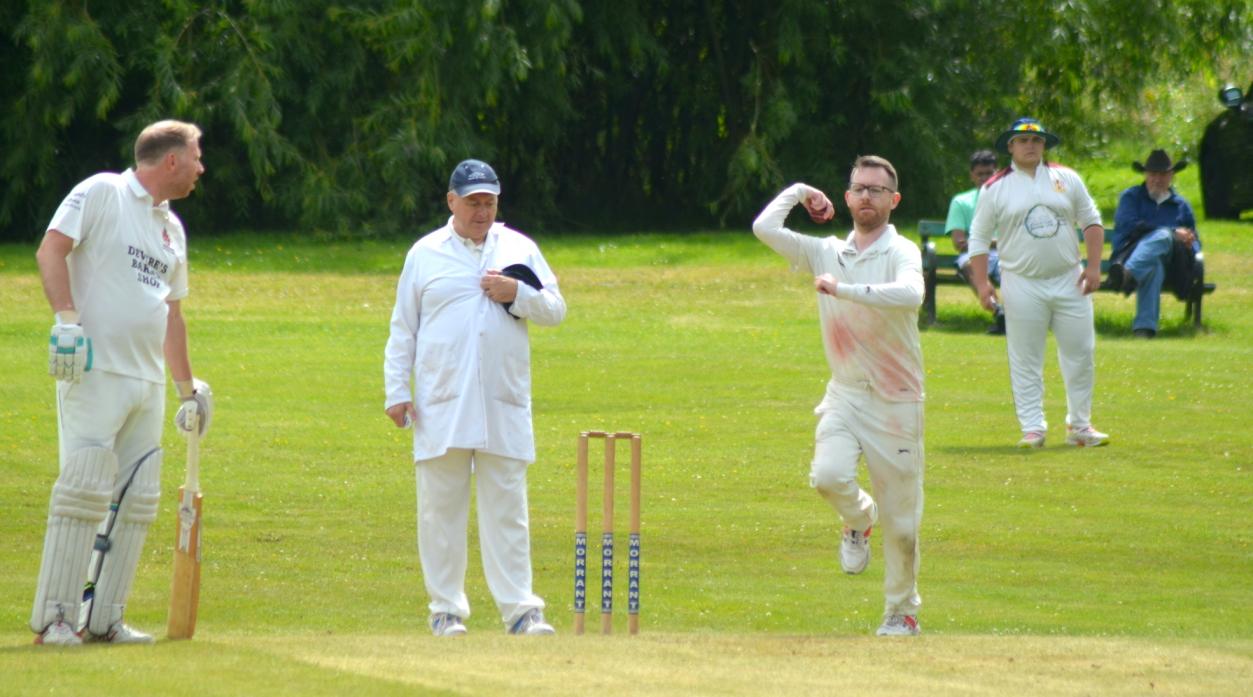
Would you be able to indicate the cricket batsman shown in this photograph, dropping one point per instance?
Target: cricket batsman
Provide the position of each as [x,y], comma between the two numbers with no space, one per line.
[113,262]
[869,289]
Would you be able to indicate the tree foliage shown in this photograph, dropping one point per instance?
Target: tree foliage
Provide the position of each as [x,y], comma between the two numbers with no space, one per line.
[346,115]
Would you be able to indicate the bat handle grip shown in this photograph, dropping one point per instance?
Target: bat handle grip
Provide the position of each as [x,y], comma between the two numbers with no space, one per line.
[192,484]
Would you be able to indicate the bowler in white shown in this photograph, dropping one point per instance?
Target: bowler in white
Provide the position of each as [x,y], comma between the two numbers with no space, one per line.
[869,287]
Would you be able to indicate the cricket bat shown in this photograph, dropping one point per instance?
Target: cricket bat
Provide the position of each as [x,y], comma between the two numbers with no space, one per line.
[185,590]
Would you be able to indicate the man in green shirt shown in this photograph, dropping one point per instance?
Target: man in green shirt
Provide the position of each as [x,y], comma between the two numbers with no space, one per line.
[961,210]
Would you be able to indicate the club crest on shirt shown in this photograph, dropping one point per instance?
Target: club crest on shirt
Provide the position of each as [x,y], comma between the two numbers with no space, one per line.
[1059,186]
[1042,222]
[165,240]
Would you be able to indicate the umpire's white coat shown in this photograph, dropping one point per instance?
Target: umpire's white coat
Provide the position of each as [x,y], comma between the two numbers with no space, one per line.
[469,362]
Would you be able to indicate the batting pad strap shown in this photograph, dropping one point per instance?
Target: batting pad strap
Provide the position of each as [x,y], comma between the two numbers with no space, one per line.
[139,504]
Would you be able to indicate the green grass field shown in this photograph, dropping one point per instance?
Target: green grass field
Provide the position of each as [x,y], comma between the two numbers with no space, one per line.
[1123,570]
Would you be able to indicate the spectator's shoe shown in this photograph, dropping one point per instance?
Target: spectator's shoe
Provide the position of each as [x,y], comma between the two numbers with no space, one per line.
[855,550]
[1086,437]
[1144,333]
[59,634]
[1032,439]
[1114,277]
[899,625]
[532,623]
[998,328]
[119,634]
[1128,284]
[447,624]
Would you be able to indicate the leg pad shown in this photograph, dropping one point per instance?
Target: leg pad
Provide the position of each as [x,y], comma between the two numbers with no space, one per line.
[80,502]
[136,512]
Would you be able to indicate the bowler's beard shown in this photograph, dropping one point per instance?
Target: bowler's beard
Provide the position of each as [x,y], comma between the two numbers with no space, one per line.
[870,219]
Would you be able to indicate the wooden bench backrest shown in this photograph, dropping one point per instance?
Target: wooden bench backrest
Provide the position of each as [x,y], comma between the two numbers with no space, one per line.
[931,228]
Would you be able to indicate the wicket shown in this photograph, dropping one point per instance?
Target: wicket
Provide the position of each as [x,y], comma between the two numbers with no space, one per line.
[580,534]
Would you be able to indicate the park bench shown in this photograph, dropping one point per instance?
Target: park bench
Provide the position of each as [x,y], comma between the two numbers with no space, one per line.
[942,268]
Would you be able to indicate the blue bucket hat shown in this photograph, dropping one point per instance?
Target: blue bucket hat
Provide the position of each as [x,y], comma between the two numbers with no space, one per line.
[1026,126]
[474,177]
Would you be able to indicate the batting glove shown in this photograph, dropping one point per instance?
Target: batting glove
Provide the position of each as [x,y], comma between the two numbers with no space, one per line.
[69,352]
[202,398]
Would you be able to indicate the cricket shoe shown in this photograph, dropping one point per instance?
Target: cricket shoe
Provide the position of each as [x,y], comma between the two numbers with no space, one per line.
[855,550]
[1032,439]
[59,634]
[899,625]
[1086,437]
[119,634]
[447,624]
[532,623]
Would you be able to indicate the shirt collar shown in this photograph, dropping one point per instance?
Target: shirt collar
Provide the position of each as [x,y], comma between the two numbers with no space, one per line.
[469,243]
[1170,194]
[487,241]
[1044,165]
[138,191]
[884,239]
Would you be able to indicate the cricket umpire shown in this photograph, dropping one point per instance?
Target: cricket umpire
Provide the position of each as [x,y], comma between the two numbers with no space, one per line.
[457,367]
[869,290]
[114,267]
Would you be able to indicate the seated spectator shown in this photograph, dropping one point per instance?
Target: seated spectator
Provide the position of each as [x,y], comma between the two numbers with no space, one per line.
[1152,222]
[961,210]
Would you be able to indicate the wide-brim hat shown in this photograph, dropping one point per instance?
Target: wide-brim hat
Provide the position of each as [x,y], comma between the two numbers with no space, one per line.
[1026,126]
[473,177]
[1159,161]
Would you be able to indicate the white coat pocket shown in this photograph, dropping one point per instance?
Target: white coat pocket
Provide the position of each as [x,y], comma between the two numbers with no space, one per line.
[437,373]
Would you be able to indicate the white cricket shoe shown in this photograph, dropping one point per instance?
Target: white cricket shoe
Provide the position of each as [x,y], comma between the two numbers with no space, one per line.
[1032,439]
[119,634]
[532,623]
[447,624]
[855,550]
[59,634]
[899,625]
[1086,437]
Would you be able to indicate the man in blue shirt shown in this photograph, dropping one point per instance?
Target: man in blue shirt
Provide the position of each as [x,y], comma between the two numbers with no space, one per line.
[1152,222]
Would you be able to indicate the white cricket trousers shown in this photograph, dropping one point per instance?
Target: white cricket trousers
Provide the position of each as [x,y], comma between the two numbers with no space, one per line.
[504,535]
[855,422]
[123,415]
[111,411]
[1032,307]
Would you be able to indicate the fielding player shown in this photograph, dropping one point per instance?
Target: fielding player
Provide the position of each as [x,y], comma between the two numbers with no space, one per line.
[458,369]
[1037,206]
[870,287]
[114,267]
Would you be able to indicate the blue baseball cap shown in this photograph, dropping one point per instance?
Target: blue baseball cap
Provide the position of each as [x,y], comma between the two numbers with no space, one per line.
[474,177]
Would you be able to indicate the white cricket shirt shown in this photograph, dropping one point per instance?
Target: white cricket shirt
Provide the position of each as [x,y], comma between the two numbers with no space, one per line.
[129,259]
[1036,217]
[870,332]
